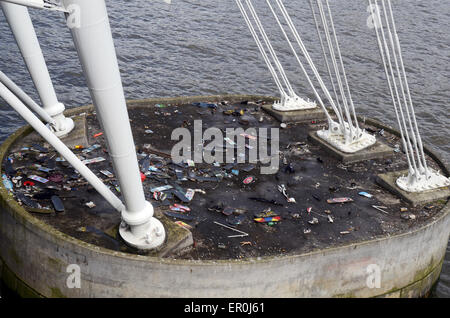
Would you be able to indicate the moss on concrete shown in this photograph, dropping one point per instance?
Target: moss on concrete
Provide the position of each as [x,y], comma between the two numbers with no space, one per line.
[16,284]
[56,293]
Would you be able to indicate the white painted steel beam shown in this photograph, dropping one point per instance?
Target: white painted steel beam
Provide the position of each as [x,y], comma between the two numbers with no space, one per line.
[39,4]
[27,100]
[94,43]
[60,147]
[22,28]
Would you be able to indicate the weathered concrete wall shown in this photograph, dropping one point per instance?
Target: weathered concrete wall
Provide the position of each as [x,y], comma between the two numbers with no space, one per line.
[36,257]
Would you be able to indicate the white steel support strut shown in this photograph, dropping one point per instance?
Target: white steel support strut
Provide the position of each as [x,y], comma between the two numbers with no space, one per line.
[94,43]
[22,28]
[27,100]
[39,4]
[60,147]
[420,177]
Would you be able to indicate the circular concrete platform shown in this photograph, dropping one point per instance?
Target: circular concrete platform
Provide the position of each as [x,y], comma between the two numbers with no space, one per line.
[36,258]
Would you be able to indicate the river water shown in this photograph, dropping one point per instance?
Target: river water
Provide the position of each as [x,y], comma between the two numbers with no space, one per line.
[203,47]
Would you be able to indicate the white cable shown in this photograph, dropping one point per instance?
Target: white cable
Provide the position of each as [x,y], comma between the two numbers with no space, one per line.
[342,66]
[270,47]
[336,68]
[310,62]
[392,85]
[419,139]
[260,47]
[319,99]
[325,57]
[413,135]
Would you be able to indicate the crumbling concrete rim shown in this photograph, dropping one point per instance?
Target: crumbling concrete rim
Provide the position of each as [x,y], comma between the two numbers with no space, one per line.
[55,235]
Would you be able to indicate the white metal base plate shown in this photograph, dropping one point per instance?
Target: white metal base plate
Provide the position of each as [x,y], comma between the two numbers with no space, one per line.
[69,125]
[153,239]
[337,140]
[292,103]
[412,183]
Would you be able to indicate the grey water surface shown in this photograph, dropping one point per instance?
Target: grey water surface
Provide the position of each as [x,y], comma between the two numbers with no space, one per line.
[194,47]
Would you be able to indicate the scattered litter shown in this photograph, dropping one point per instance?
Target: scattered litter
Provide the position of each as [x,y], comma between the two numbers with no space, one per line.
[37,178]
[90,205]
[161,189]
[7,183]
[107,173]
[248,180]
[28,183]
[243,234]
[235,219]
[94,160]
[57,204]
[205,105]
[178,216]
[267,219]
[98,135]
[91,148]
[184,225]
[380,208]
[159,196]
[339,200]
[282,189]
[403,209]
[314,221]
[179,208]
[404,216]
[365,194]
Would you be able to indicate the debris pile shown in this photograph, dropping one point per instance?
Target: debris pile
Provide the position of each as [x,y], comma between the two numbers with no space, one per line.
[231,208]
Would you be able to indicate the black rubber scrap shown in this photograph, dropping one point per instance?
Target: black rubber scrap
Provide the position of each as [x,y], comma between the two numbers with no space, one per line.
[57,204]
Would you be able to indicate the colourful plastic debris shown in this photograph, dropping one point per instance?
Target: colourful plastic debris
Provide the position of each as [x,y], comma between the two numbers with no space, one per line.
[37,178]
[184,225]
[248,180]
[268,219]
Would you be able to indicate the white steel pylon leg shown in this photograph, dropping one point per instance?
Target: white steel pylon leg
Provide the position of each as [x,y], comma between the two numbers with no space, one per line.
[95,47]
[22,28]
[420,177]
